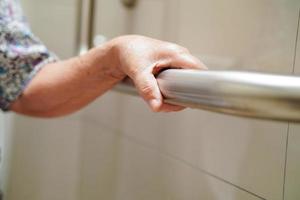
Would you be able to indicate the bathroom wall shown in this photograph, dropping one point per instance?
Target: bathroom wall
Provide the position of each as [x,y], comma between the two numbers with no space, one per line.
[193,154]
[293,162]
[116,149]
[2,131]
[2,134]
[5,141]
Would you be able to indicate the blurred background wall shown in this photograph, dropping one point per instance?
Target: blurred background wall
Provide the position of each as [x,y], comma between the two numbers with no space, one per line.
[116,149]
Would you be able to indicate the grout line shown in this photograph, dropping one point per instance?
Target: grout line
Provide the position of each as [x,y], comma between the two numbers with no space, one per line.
[213,175]
[288,128]
[296,43]
[195,167]
[121,134]
[285,161]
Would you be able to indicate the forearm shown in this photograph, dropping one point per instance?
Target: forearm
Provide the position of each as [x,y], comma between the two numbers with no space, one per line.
[66,86]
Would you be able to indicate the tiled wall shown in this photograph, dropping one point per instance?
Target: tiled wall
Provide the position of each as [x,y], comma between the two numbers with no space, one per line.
[54,22]
[5,144]
[118,150]
[247,156]
[2,141]
[116,166]
[293,162]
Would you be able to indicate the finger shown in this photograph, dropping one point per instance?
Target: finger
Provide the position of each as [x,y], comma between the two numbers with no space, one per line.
[147,87]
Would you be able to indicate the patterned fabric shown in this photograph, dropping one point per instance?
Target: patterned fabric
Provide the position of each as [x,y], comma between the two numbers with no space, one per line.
[22,55]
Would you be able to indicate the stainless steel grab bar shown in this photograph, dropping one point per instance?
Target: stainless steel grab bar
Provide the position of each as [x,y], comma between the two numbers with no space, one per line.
[247,94]
[238,93]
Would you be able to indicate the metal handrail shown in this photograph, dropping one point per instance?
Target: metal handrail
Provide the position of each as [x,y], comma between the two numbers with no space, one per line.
[85,25]
[247,94]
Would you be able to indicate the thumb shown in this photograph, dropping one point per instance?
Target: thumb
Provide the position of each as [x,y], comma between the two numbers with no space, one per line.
[147,87]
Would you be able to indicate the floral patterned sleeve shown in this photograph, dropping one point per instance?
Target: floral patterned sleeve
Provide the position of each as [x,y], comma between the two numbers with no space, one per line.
[22,55]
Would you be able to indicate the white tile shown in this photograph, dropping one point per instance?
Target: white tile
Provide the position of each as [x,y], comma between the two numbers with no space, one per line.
[99,153]
[292,181]
[45,159]
[256,35]
[46,2]
[2,140]
[2,131]
[6,142]
[54,23]
[245,152]
[105,111]
[242,155]
[141,123]
[293,164]
[147,18]
[114,167]
[111,18]
[297,59]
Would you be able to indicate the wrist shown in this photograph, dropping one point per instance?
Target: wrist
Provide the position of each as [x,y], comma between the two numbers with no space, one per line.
[104,62]
[113,59]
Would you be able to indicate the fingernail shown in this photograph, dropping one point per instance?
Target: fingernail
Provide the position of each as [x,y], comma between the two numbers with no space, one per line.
[155,104]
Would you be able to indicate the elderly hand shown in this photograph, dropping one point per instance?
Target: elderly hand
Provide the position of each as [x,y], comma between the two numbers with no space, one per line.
[141,58]
[63,87]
